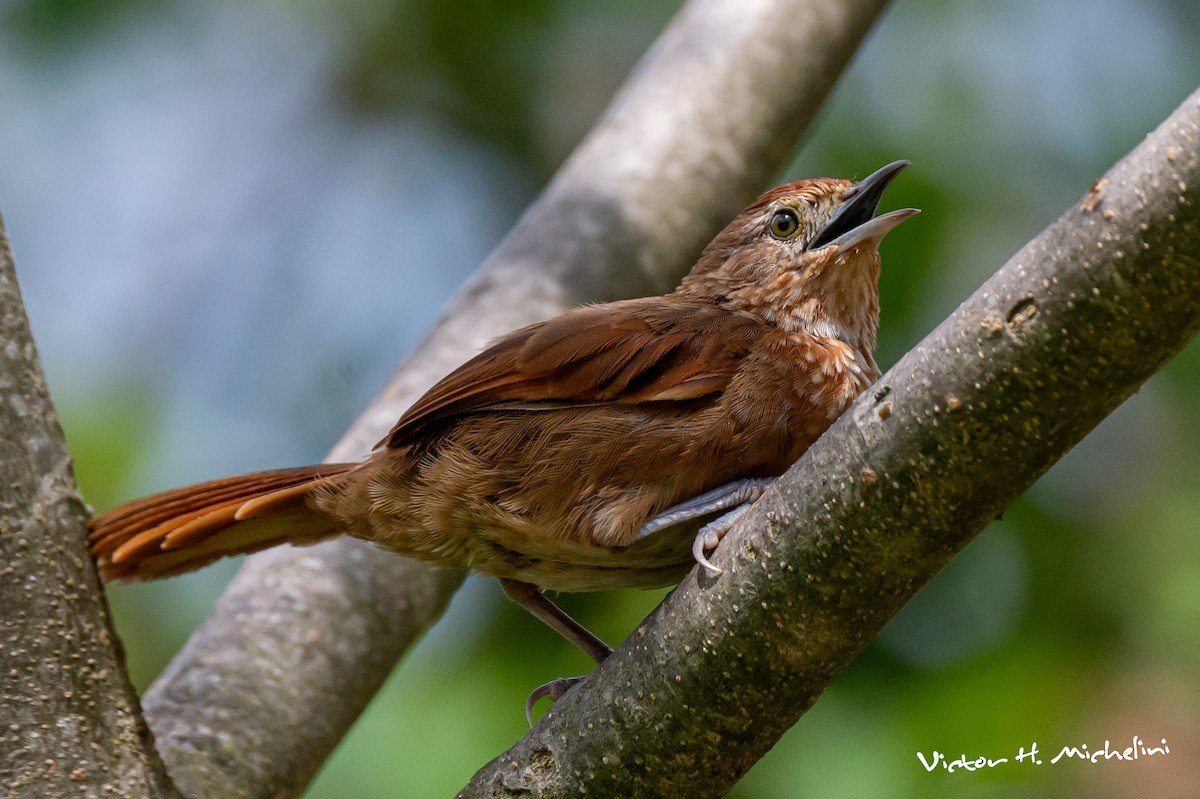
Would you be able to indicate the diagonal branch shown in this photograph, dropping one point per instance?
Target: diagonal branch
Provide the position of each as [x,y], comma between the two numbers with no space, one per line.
[71,724]
[1051,344]
[302,639]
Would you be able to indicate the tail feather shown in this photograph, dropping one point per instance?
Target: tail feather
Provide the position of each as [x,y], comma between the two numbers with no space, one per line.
[186,528]
[149,511]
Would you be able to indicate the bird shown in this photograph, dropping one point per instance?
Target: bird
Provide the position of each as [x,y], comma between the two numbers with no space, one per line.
[611,446]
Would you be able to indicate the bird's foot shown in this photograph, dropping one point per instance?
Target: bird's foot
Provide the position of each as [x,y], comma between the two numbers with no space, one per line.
[736,495]
[711,534]
[555,690]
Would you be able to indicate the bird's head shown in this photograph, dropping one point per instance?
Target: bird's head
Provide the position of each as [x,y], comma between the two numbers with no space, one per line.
[804,257]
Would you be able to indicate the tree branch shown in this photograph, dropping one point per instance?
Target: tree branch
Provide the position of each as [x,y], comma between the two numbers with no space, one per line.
[71,723]
[302,638]
[964,423]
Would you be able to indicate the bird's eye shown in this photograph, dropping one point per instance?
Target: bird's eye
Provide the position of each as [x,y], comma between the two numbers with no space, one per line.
[784,224]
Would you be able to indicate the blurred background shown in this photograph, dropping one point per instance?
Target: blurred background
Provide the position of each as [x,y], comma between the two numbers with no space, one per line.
[232,219]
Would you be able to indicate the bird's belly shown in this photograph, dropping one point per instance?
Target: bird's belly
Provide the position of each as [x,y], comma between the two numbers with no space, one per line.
[559,563]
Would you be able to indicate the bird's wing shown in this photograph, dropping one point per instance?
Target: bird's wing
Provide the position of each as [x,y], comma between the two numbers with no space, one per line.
[635,351]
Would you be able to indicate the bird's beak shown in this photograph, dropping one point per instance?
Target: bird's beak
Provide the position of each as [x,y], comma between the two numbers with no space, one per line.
[854,221]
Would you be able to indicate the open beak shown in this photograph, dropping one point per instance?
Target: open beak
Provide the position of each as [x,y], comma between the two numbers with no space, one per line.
[854,221]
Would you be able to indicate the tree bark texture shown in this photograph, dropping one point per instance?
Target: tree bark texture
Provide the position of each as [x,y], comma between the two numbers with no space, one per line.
[69,724]
[302,638]
[1070,327]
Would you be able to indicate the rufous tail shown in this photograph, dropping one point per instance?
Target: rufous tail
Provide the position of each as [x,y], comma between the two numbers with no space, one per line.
[186,528]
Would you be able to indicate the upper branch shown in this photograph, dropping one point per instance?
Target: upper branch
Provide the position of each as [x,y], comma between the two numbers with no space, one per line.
[964,423]
[709,115]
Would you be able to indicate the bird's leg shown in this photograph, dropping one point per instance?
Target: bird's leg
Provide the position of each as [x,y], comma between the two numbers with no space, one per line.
[736,495]
[531,598]
[733,497]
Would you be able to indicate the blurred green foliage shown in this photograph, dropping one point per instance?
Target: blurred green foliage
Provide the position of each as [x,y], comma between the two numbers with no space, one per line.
[54,23]
[107,434]
[1072,621]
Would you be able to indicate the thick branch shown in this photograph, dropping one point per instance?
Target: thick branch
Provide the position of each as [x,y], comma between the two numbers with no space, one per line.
[302,639]
[1051,344]
[71,725]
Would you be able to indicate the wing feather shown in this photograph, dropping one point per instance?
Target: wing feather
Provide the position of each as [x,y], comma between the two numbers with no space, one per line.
[649,350]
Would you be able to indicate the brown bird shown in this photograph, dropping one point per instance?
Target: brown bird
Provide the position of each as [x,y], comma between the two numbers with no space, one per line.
[608,447]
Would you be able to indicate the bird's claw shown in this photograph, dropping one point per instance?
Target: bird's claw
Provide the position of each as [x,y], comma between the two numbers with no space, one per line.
[706,539]
[555,689]
[711,534]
